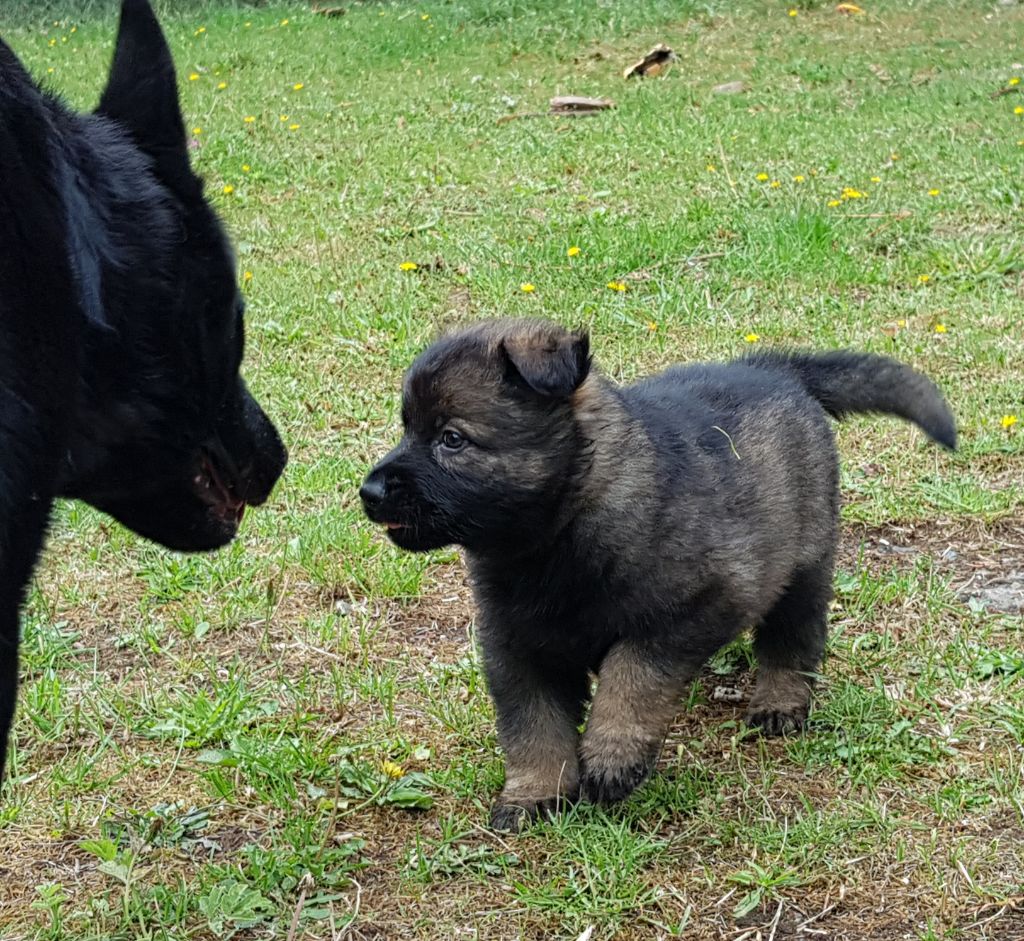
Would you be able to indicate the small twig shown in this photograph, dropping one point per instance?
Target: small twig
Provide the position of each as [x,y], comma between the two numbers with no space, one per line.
[825,911]
[900,214]
[725,164]
[775,921]
[305,884]
[736,453]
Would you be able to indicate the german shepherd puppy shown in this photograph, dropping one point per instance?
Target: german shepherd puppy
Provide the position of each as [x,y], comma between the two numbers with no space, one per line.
[628,532]
[121,327]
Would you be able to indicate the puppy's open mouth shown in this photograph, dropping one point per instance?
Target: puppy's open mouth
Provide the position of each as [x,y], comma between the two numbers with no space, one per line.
[395,526]
[213,488]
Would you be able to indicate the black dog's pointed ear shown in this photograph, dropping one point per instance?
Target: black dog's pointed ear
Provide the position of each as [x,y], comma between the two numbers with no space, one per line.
[142,91]
[552,362]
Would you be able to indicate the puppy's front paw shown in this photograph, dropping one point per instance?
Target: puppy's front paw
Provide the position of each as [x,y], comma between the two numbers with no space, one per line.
[607,785]
[610,770]
[775,721]
[513,814]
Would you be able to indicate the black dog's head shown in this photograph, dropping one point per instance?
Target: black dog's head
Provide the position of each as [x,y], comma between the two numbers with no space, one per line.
[166,437]
[491,443]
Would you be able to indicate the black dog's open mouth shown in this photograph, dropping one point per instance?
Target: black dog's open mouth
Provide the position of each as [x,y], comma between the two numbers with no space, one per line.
[213,488]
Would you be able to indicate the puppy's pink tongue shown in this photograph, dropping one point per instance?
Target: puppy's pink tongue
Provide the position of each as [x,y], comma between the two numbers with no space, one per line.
[394,526]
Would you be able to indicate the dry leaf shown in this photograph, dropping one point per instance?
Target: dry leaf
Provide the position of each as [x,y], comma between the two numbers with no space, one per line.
[330,11]
[656,62]
[849,9]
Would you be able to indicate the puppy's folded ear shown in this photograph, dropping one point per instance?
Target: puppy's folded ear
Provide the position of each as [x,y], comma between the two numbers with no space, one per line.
[553,362]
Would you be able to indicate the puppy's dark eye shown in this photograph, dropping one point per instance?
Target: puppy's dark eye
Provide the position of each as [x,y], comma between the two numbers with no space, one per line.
[452,440]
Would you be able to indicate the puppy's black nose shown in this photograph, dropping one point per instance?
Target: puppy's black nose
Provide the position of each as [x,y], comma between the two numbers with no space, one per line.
[373,491]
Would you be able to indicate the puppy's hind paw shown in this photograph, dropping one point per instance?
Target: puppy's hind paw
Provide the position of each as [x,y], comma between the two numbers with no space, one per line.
[777,721]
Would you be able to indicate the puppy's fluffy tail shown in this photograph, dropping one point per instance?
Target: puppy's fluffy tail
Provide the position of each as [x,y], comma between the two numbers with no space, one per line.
[846,383]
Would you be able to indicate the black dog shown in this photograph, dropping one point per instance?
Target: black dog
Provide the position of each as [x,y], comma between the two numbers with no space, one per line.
[629,532]
[121,328]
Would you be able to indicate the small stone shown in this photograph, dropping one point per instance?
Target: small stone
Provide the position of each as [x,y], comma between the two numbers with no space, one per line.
[729,88]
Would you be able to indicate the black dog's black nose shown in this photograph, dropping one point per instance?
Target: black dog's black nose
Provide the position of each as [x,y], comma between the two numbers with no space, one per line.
[373,491]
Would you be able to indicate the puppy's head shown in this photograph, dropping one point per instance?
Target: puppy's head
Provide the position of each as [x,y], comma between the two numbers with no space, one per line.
[490,445]
[167,439]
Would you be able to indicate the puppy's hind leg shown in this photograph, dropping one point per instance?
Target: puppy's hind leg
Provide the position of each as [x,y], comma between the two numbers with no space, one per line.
[789,644]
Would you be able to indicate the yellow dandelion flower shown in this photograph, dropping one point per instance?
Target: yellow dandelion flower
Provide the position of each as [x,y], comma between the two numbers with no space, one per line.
[799,178]
[392,770]
[228,189]
[247,277]
[246,168]
[901,323]
[53,42]
[293,127]
[761,177]
[752,337]
[792,12]
[934,192]
[1019,109]
[221,86]
[527,288]
[1008,421]
[197,131]
[775,184]
[894,157]
[408,266]
[249,118]
[201,30]
[1013,81]
[284,22]
[284,117]
[940,328]
[850,193]
[74,29]
[876,179]
[425,16]
[832,203]
[298,86]
[652,326]
[572,251]
[248,24]
[924,278]
[616,286]
[711,168]
[50,70]
[193,77]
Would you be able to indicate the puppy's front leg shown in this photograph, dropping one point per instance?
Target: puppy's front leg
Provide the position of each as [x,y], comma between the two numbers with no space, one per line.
[637,697]
[539,710]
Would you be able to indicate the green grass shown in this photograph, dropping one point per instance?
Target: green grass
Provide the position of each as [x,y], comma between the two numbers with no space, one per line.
[200,743]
